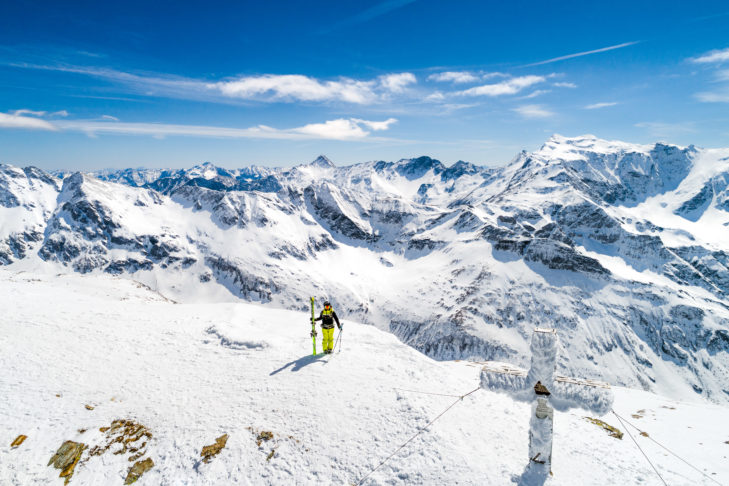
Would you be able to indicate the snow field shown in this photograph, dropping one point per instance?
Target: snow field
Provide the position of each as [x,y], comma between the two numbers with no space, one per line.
[192,372]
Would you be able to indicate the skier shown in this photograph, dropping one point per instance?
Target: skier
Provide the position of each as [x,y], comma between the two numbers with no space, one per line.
[327,318]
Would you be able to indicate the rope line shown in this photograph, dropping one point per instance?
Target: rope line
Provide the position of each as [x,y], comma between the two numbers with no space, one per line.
[460,397]
[668,450]
[641,450]
[429,393]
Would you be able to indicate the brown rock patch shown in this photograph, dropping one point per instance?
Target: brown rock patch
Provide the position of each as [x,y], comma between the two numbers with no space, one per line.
[124,436]
[212,450]
[66,458]
[18,440]
[612,431]
[137,469]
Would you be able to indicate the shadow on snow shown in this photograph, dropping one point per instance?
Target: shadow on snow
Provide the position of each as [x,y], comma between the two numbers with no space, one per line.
[301,362]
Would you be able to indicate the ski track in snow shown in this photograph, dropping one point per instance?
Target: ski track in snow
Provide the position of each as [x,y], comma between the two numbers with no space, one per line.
[191,372]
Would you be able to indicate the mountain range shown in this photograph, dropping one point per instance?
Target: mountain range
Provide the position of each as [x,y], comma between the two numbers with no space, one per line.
[623,248]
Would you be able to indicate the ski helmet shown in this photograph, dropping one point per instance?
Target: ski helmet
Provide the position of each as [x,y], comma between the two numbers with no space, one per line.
[327,304]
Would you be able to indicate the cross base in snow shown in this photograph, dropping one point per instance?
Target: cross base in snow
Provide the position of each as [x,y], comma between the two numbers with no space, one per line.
[546,392]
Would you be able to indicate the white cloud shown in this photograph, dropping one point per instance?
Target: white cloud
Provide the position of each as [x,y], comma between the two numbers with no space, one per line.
[291,87]
[376,125]
[397,83]
[18,120]
[533,111]
[339,129]
[508,87]
[454,77]
[596,106]
[109,117]
[717,55]
[62,113]
[435,96]
[565,85]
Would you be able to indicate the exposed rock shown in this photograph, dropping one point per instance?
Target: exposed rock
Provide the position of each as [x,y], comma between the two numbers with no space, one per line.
[612,431]
[123,436]
[137,469]
[210,451]
[66,458]
[18,441]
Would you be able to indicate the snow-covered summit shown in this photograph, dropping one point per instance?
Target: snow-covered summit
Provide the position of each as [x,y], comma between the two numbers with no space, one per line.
[103,351]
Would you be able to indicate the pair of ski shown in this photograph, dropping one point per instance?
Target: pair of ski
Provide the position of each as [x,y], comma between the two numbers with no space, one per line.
[313,331]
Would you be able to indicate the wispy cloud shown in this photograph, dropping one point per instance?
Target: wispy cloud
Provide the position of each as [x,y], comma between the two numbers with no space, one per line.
[719,96]
[536,93]
[533,111]
[463,77]
[580,54]
[668,130]
[369,14]
[719,93]
[507,87]
[346,129]
[18,119]
[564,85]
[715,56]
[596,106]
[38,113]
[260,88]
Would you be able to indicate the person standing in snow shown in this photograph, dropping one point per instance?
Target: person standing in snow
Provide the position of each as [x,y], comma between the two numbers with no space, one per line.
[327,318]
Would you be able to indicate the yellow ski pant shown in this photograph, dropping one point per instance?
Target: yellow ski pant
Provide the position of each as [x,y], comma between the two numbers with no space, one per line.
[328,340]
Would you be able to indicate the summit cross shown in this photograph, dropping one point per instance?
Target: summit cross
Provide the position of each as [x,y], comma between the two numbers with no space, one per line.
[546,392]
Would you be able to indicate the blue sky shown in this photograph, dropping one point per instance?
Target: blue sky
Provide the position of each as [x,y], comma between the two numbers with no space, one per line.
[87,85]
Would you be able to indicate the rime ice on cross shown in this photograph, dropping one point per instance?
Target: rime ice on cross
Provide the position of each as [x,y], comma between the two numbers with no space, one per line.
[546,392]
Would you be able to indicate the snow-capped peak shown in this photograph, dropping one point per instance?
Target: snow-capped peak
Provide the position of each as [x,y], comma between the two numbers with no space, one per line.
[322,161]
[573,148]
[206,170]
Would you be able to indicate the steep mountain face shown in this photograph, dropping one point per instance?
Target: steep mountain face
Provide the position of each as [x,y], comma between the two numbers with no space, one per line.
[621,247]
[27,198]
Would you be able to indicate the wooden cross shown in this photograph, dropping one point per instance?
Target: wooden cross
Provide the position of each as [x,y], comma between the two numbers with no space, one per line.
[546,392]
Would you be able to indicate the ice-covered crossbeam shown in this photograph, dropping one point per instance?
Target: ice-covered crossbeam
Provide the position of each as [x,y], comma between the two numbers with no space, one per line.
[565,392]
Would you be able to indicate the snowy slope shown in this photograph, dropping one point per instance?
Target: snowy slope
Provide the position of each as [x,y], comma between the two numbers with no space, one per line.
[192,372]
[621,247]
